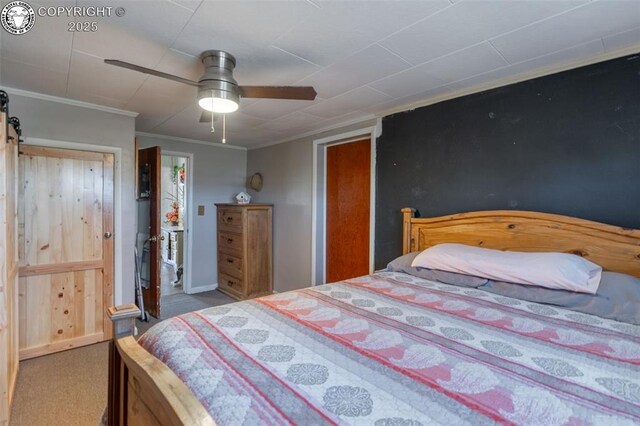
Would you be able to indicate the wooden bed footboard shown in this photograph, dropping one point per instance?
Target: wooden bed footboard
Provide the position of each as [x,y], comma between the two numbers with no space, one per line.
[142,389]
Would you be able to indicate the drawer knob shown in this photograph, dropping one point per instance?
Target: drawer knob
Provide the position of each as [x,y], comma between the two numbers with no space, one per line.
[229,240]
[230,283]
[229,260]
[229,219]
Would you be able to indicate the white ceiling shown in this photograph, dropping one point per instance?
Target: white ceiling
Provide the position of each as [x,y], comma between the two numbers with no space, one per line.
[363,57]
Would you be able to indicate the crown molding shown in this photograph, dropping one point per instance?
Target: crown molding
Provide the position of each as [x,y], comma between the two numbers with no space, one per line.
[67,101]
[540,72]
[311,133]
[194,141]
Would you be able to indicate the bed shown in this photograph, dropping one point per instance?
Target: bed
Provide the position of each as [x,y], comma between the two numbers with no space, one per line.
[394,349]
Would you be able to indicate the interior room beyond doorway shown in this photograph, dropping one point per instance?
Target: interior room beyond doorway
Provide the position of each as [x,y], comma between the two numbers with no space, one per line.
[173,215]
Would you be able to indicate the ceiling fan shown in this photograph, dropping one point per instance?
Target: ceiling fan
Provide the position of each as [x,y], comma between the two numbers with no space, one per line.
[218,91]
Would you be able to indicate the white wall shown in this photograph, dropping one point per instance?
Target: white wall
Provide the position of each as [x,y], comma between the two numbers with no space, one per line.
[219,173]
[54,121]
[287,170]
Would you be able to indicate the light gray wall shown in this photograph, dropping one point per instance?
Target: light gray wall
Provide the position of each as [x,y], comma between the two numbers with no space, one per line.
[47,119]
[219,173]
[287,170]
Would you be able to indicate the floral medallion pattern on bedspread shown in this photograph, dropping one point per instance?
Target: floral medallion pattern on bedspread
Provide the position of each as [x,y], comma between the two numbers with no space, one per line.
[393,349]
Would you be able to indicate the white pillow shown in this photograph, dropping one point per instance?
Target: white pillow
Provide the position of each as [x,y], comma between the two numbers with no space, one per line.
[551,270]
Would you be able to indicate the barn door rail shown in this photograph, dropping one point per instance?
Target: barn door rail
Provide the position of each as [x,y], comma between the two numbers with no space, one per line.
[4,102]
[14,121]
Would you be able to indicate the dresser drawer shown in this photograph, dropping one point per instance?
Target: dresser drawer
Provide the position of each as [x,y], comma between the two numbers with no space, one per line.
[230,284]
[230,243]
[230,220]
[230,265]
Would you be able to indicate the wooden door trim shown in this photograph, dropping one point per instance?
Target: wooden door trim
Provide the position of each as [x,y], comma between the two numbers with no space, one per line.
[14,271]
[372,133]
[60,268]
[107,242]
[41,151]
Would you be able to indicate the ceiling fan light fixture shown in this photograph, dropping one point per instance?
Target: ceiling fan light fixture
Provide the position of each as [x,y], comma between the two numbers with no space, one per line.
[218,90]
[218,104]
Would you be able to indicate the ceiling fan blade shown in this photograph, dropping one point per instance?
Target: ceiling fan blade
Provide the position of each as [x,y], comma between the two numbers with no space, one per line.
[161,74]
[305,93]
[206,117]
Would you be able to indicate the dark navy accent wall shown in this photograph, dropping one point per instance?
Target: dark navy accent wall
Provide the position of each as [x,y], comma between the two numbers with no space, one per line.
[567,143]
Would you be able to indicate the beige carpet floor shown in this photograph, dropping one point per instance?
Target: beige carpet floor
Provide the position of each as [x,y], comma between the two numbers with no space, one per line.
[66,388]
[70,388]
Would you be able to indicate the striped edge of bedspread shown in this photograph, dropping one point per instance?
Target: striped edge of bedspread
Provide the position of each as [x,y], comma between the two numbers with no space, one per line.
[393,349]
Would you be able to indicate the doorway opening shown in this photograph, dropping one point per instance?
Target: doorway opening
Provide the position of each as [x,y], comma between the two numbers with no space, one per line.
[164,191]
[173,209]
[328,214]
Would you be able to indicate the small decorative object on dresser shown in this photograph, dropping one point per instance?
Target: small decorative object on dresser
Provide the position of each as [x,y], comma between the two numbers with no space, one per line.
[243,198]
[245,250]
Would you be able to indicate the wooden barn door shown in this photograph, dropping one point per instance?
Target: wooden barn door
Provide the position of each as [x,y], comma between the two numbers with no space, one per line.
[65,248]
[348,210]
[8,266]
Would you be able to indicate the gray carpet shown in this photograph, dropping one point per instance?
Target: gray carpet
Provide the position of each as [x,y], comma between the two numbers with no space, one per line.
[180,303]
[70,388]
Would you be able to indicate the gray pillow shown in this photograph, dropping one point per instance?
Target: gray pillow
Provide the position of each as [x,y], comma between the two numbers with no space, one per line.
[617,298]
[403,264]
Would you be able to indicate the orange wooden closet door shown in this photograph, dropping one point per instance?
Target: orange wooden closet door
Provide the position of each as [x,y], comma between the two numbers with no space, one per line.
[348,210]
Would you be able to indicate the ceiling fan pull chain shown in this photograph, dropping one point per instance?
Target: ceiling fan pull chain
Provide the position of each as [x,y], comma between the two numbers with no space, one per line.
[224,128]
[212,128]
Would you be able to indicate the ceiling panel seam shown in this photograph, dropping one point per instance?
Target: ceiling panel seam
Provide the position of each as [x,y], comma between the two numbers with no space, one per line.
[541,20]
[498,52]
[395,54]
[415,23]
[296,56]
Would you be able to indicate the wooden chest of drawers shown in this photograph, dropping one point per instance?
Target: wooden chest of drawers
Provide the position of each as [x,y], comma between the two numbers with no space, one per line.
[245,249]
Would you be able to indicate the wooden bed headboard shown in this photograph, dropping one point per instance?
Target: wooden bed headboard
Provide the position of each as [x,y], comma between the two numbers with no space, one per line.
[614,248]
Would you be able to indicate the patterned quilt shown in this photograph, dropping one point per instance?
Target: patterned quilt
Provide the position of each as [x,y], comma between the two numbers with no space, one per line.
[392,349]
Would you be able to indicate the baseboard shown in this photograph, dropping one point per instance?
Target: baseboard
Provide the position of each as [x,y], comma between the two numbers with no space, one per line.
[63,345]
[203,288]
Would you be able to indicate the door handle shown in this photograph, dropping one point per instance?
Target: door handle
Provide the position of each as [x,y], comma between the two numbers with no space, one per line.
[108,235]
[156,238]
